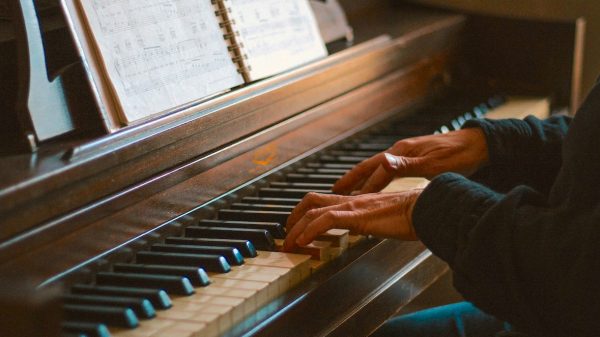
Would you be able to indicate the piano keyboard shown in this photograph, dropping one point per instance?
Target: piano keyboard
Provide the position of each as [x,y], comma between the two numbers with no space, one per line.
[222,270]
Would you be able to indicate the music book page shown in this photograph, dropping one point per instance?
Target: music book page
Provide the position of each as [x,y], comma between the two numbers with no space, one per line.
[159,54]
[275,35]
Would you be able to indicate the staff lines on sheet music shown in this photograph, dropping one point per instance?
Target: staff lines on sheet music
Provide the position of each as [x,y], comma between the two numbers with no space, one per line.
[160,54]
[156,84]
[117,16]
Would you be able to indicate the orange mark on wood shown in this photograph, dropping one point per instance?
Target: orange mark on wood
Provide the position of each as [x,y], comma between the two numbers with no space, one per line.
[264,156]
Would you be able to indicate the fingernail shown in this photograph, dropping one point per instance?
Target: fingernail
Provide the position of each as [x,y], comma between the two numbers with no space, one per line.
[392,160]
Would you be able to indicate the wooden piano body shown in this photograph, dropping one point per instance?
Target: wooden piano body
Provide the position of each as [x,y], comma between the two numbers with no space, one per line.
[86,201]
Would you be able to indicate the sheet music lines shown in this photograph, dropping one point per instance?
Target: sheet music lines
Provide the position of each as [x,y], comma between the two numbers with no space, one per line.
[160,54]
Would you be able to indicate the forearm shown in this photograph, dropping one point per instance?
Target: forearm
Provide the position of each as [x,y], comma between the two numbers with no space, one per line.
[513,255]
[521,152]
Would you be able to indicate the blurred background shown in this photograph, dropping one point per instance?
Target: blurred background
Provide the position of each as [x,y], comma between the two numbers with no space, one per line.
[551,9]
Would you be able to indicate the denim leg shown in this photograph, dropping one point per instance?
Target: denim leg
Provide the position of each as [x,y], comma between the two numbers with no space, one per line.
[454,320]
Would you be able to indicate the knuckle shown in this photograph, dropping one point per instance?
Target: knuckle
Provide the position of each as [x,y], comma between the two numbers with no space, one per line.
[312,214]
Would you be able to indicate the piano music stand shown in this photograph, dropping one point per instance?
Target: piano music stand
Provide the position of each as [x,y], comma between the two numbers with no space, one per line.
[41,107]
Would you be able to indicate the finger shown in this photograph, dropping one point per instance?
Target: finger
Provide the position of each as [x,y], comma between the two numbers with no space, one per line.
[354,178]
[401,166]
[377,181]
[326,221]
[298,228]
[334,218]
[310,201]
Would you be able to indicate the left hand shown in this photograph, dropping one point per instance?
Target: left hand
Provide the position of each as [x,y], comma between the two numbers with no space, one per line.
[386,215]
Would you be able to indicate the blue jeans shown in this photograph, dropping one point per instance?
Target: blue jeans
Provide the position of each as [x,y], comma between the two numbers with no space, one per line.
[454,320]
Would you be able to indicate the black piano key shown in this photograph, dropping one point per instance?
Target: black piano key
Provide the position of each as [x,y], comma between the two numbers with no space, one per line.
[196,275]
[276,229]
[353,153]
[270,192]
[141,306]
[341,159]
[375,147]
[308,186]
[233,256]
[244,246]
[260,238]
[338,166]
[273,221]
[272,201]
[172,284]
[211,263]
[308,170]
[87,329]
[261,207]
[158,297]
[313,178]
[112,316]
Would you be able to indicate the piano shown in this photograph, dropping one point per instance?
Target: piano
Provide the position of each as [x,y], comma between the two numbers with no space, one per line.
[171,227]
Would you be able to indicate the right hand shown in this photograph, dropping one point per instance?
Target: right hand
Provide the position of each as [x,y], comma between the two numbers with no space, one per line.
[463,151]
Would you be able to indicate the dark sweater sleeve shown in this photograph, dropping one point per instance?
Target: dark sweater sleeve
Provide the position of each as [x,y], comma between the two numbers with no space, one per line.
[521,151]
[514,255]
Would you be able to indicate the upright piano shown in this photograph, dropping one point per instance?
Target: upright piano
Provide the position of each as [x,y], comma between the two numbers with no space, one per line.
[170,227]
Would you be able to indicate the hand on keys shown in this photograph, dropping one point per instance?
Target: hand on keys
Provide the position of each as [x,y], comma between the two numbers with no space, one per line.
[381,214]
[463,152]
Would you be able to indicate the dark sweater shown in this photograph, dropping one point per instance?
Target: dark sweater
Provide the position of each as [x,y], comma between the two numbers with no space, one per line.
[523,236]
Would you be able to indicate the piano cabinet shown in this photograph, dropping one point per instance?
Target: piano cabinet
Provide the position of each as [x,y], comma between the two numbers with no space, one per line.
[86,202]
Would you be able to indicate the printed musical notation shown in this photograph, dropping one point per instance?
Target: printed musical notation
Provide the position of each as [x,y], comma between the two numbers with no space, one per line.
[276,35]
[160,54]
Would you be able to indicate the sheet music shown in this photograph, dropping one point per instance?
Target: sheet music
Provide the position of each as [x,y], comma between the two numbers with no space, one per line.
[160,54]
[276,35]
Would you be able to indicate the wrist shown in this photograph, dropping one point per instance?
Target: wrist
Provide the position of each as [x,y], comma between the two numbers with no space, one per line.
[412,201]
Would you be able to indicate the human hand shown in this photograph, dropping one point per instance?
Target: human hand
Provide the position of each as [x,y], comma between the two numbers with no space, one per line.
[386,215]
[463,151]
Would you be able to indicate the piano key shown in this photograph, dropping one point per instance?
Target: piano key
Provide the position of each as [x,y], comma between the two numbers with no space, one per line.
[251,216]
[352,153]
[272,221]
[337,237]
[375,147]
[341,159]
[213,310]
[146,328]
[184,329]
[196,275]
[172,284]
[260,238]
[308,170]
[141,306]
[113,316]
[244,246]
[318,250]
[287,192]
[261,207]
[158,297]
[311,186]
[88,329]
[337,166]
[237,306]
[213,263]
[207,322]
[314,178]
[232,255]
[272,201]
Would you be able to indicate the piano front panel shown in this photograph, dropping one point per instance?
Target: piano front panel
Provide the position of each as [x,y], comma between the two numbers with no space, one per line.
[294,139]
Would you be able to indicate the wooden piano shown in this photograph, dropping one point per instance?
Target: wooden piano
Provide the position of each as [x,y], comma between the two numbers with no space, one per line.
[89,212]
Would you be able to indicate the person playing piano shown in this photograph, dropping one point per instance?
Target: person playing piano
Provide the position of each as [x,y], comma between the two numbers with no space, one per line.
[521,233]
